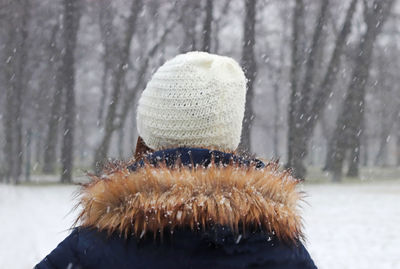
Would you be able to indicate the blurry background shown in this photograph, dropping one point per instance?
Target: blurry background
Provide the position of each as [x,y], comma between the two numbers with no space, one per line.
[323,97]
[323,84]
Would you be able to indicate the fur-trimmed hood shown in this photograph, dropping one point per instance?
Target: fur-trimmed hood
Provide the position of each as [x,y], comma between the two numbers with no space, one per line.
[156,199]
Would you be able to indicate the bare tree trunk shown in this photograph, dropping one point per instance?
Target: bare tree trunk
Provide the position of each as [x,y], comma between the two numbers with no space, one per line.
[50,156]
[107,32]
[102,105]
[325,88]
[118,81]
[121,135]
[381,158]
[276,98]
[398,143]
[397,120]
[207,26]
[110,124]
[277,114]
[349,123]
[300,98]
[302,124]
[217,25]
[9,151]
[387,115]
[295,147]
[28,155]
[308,84]
[249,65]
[326,135]
[38,140]
[21,84]
[71,26]
[133,132]
[50,153]
[354,159]
[365,148]
[189,16]
[15,63]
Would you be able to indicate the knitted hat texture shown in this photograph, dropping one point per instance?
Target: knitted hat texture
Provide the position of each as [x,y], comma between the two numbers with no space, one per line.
[196,99]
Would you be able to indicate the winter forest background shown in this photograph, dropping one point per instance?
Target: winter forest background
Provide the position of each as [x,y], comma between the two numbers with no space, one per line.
[323,89]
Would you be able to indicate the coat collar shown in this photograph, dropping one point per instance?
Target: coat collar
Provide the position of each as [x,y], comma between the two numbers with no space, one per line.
[195,156]
[165,195]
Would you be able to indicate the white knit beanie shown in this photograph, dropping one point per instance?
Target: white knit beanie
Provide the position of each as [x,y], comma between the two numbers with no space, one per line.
[196,99]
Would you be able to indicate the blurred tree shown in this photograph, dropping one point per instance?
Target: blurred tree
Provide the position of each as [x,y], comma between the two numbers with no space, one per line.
[387,111]
[18,17]
[398,141]
[118,77]
[114,120]
[72,14]
[110,43]
[218,25]
[296,149]
[190,12]
[305,111]
[318,76]
[249,66]
[207,30]
[300,96]
[50,156]
[349,123]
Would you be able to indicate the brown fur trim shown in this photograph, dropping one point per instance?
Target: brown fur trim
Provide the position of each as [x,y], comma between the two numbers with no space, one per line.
[154,199]
[141,149]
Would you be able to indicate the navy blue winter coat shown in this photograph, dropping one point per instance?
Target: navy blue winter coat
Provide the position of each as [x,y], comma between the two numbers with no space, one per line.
[187,208]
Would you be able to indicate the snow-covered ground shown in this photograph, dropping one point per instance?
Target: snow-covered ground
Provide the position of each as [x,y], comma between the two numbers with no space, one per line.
[354,226]
[348,226]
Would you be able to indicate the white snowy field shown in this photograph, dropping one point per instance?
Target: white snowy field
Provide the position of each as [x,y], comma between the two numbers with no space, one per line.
[348,226]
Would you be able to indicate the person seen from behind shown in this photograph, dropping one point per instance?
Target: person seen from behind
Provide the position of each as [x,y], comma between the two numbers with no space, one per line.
[188,200]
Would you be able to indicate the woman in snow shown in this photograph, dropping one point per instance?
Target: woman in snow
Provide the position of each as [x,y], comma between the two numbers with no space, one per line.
[187,200]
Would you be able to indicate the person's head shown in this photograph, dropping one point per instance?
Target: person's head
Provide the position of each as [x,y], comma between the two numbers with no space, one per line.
[196,99]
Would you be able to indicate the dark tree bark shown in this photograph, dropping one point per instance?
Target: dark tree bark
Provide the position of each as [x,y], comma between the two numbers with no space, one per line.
[121,136]
[9,151]
[322,95]
[114,120]
[397,120]
[50,156]
[386,124]
[398,142]
[275,76]
[308,84]
[118,80]
[28,155]
[303,112]
[365,149]
[207,26]
[70,25]
[349,123]
[354,160]
[217,25]
[387,111]
[188,18]
[293,161]
[15,65]
[326,133]
[300,97]
[250,69]
[50,153]
[277,125]
[107,32]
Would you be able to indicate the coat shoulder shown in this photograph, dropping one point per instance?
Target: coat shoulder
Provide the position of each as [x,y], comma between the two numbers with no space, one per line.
[64,255]
[90,248]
